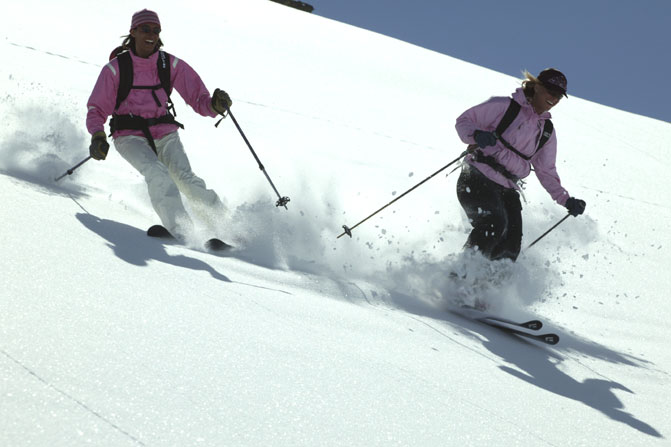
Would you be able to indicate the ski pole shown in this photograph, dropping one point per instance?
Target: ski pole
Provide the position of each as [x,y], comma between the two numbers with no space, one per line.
[546,233]
[282,201]
[72,169]
[348,230]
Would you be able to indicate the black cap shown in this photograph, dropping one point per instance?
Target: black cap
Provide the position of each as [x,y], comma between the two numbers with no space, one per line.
[553,80]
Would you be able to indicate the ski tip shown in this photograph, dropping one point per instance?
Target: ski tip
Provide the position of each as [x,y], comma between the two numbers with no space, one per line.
[534,325]
[159,231]
[217,245]
[551,339]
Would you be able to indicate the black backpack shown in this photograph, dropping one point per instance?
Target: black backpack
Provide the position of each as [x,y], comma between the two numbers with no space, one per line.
[508,117]
[126,79]
[122,122]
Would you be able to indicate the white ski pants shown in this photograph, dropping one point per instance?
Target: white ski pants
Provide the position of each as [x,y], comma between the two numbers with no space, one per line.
[167,173]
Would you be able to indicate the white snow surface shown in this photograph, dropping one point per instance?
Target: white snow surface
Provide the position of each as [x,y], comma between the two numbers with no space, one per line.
[110,338]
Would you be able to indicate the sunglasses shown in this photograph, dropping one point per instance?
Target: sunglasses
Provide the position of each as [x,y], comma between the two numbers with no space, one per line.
[148,29]
[553,91]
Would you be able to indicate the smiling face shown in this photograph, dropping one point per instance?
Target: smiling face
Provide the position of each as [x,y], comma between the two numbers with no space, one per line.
[146,38]
[543,99]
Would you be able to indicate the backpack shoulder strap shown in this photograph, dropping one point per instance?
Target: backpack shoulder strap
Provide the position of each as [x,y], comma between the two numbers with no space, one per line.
[511,113]
[547,133]
[508,117]
[125,77]
[163,63]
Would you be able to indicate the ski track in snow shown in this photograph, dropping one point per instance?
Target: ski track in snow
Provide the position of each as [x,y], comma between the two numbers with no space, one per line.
[81,404]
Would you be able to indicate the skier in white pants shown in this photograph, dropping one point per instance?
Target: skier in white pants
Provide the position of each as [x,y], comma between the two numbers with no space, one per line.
[134,88]
[168,173]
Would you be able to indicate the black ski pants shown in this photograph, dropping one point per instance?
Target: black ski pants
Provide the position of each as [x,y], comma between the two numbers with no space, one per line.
[495,212]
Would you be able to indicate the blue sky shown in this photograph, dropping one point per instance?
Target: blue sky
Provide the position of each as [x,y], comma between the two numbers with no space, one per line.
[613,52]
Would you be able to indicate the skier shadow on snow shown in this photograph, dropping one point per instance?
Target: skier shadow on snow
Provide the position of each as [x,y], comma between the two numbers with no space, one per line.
[539,366]
[133,246]
[542,370]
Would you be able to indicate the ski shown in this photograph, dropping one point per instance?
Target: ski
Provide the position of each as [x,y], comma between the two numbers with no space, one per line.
[533,325]
[212,245]
[550,339]
[476,313]
[518,328]
[215,244]
[159,231]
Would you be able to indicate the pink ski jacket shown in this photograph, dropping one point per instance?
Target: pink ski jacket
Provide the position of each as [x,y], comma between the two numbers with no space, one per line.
[523,133]
[184,79]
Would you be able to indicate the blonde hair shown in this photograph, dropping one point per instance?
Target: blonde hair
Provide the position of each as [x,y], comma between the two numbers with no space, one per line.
[528,84]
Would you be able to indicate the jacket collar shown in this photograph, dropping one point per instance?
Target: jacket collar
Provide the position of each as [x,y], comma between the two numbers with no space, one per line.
[151,60]
[522,100]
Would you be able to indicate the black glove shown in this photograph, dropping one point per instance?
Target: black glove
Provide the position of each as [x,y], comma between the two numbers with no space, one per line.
[99,146]
[220,101]
[484,138]
[575,206]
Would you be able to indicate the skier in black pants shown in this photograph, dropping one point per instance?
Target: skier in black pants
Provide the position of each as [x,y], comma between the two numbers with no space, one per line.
[491,209]
[512,135]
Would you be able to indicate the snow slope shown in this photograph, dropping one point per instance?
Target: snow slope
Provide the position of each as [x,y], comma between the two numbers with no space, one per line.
[299,338]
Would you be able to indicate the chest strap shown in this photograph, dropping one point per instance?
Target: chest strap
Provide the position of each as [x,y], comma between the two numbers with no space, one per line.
[133,122]
[495,165]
